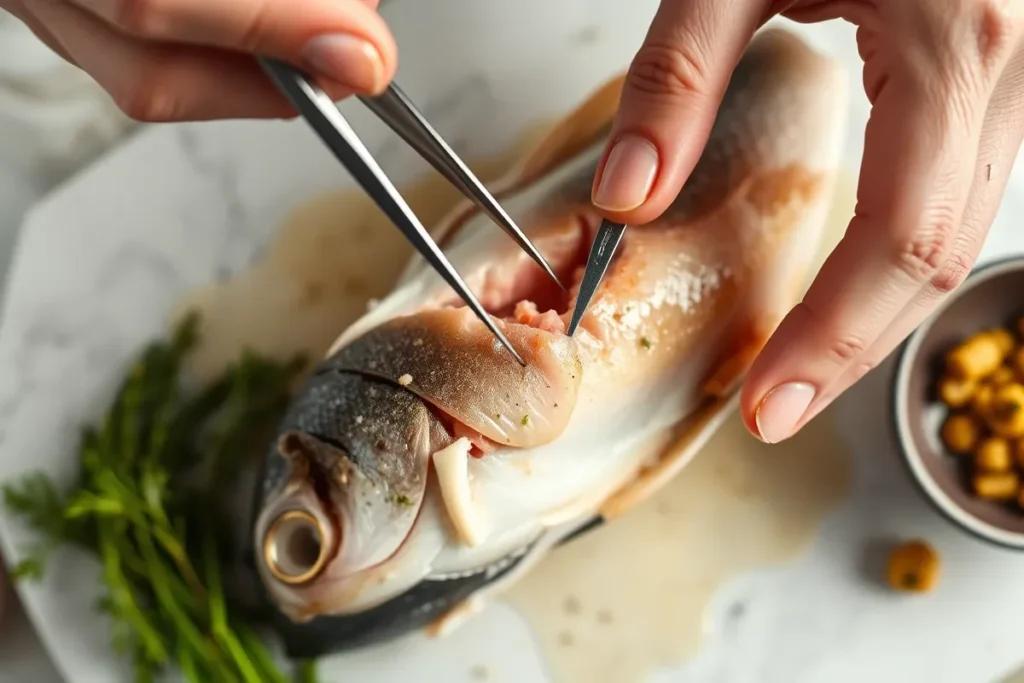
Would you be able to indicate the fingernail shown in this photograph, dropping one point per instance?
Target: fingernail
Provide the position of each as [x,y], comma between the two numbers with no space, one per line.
[348,60]
[628,175]
[781,409]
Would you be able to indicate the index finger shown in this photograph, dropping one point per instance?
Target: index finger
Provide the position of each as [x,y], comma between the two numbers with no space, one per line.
[669,100]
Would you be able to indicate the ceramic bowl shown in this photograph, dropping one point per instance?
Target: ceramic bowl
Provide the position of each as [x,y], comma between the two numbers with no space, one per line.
[992,295]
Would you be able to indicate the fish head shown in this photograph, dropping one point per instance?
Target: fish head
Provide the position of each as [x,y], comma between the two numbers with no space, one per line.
[348,481]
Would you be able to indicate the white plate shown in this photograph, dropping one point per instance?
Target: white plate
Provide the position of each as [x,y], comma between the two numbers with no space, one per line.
[102,262]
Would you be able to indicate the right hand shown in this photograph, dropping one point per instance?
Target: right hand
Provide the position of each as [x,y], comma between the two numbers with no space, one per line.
[188,60]
[945,79]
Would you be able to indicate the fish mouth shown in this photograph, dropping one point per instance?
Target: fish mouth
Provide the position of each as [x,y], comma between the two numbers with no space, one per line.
[517,291]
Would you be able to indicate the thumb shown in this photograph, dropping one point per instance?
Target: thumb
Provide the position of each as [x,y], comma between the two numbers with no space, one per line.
[669,100]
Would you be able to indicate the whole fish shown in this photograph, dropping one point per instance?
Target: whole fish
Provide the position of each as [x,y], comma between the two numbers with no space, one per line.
[421,468]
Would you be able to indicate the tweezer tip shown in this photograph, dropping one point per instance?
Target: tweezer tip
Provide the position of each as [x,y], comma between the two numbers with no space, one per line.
[577,315]
[502,339]
[511,349]
[516,233]
[551,273]
[539,259]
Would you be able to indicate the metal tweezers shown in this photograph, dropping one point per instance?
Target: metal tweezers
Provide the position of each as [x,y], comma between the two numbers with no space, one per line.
[395,109]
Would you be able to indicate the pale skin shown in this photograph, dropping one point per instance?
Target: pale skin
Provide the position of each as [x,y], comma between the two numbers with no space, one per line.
[945,79]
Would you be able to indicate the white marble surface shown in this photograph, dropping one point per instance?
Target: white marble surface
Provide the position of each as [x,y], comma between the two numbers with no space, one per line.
[53,120]
[101,261]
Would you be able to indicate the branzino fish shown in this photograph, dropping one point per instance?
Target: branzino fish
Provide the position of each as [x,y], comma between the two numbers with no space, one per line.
[421,468]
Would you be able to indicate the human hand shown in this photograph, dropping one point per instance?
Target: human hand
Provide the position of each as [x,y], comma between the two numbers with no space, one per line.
[946,84]
[181,60]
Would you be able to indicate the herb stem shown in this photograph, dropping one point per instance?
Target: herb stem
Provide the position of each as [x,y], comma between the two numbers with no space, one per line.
[148,504]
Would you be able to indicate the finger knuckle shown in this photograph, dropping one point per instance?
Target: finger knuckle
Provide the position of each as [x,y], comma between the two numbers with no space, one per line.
[921,257]
[979,37]
[960,51]
[952,273]
[148,18]
[255,29]
[994,25]
[148,98]
[667,71]
[845,349]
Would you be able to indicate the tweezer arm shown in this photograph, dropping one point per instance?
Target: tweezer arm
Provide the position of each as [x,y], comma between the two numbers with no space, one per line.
[323,116]
[396,110]
[601,252]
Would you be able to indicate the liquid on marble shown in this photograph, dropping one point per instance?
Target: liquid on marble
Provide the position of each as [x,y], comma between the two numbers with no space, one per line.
[622,601]
[331,256]
[632,596]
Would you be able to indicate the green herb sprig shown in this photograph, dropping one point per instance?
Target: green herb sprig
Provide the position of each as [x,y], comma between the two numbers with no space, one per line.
[148,503]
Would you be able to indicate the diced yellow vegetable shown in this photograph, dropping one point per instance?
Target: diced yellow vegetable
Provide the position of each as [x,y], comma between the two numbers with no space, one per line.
[913,567]
[1001,486]
[993,455]
[960,433]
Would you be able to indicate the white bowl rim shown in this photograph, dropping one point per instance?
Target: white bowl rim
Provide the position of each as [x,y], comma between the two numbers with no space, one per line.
[911,456]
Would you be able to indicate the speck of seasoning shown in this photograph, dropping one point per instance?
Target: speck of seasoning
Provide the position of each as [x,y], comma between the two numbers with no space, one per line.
[645,342]
[565,639]
[405,380]
[604,616]
[572,605]
[403,500]
[525,421]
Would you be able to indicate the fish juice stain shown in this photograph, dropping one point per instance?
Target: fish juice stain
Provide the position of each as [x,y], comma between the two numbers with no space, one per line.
[331,257]
[631,597]
[621,601]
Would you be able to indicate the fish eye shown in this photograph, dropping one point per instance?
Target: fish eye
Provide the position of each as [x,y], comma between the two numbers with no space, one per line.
[295,547]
